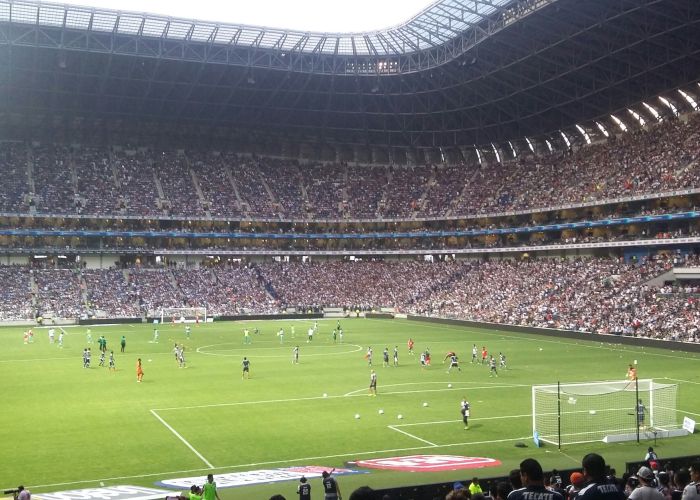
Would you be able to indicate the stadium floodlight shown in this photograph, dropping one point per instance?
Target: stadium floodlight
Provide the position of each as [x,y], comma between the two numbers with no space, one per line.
[549,145]
[478,155]
[566,139]
[690,100]
[619,123]
[495,151]
[669,105]
[602,129]
[583,133]
[572,413]
[512,149]
[653,112]
[637,117]
[529,144]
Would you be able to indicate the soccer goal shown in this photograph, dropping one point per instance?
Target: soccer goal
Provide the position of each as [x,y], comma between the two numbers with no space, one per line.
[183,315]
[604,411]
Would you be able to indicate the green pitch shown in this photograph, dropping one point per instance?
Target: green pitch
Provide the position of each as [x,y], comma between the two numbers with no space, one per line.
[66,427]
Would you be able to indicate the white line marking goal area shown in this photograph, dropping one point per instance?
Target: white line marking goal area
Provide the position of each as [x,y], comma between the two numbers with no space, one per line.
[179,436]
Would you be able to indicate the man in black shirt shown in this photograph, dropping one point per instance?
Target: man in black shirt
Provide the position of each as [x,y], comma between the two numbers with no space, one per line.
[533,479]
[330,487]
[304,489]
[597,486]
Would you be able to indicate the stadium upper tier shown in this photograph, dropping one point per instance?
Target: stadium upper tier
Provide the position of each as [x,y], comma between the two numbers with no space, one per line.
[48,179]
[590,295]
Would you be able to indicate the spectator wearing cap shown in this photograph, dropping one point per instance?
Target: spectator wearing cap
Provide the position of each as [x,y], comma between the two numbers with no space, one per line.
[646,489]
[598,487]
[576,481]
[692,491]
[533,480]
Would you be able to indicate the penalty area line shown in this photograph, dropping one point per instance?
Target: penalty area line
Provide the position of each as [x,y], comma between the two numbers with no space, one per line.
[411,435]
[177,435]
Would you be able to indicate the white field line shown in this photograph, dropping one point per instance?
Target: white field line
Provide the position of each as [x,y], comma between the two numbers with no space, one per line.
[529,415]
[587,343]
[681,380]
[281,462]
[275,345]
[689,413]
[177,435]
[410,435]
[462,388]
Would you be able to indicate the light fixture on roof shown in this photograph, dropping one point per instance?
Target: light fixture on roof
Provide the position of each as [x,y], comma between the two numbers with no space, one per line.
[638,117]
[549,145]
[669,105]
[619,123]
[495,151]
[515,155]
[566,139]
[583,132]
[689,98]
[602,129]
[653,112]
[529,144]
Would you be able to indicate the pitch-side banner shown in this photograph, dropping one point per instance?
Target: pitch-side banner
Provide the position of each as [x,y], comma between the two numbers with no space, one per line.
[262,476]
[106,493]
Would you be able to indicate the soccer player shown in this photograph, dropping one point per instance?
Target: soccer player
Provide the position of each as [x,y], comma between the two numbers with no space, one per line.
[156,335]
[454,363]
[181,357]
[474,354]
[122,342]
[465,412]
[85,358]
[102,342]
[139,370]
[60,338]
[422,360]
[304,489]
[632,373]
[373,383]
[385,355]
[293,332]
[52,333]
[427,356]
[31,336]
[502,359]
[310,335]
[246,367]
[340,336]
[368,356]
[335,336]
[89,357]
[484,355]
[492,367]
[315,326]
[88,336]
[280,334]
[448,355]
[209,489]
[246,336]
[256,331]
[112,365]
[331,489]
[396,355]
[410,346]
[295,355]
[188,331]
[176,352]
[641,413]
[102,358]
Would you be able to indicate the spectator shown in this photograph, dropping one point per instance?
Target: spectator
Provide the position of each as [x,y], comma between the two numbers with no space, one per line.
[598,488]
[692,490]
[647,486]
[532,478]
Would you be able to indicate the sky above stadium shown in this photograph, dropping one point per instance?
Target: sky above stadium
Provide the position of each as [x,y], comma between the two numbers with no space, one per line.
[334,16]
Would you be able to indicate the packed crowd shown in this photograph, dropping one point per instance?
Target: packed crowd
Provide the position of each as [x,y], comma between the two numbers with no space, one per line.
[57,179]
[600,295]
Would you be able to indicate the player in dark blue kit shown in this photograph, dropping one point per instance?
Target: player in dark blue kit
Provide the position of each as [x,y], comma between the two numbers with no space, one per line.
[385,355]
[598,487]
[246,367]
[304,489]
[533,479]
[331,489]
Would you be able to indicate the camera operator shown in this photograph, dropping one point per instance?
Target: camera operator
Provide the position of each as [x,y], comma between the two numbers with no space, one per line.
[21,493]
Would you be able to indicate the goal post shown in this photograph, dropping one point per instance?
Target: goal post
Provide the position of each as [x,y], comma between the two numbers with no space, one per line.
[183,315]
[572,413]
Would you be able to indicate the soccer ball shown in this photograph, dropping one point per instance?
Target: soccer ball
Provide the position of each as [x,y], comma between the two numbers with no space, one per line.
[541,349]
[425,404]
[357,415]
[400,417]
[325,395]
[592,412]
[150,360]
[449,386]
[381,412]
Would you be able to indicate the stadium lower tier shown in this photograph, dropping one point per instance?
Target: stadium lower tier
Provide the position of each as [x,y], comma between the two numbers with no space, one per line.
[604,295]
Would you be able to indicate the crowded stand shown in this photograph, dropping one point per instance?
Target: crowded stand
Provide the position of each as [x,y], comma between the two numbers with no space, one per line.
[660,159]
[109,294]
[181,198]
[15,294]
[214,177]
[58,292]
[54,188]
[154,289]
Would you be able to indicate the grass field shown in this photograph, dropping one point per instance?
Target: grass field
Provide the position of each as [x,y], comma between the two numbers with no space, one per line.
[66,427]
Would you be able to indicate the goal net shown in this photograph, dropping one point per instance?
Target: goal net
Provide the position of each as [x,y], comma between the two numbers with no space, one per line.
[603,411]
[183,315]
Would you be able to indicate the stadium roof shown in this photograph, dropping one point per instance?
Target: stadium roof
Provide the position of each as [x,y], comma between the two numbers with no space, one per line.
[461,72]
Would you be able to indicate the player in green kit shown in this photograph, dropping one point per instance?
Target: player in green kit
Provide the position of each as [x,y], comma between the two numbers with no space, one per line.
[209,488]
[123,342]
